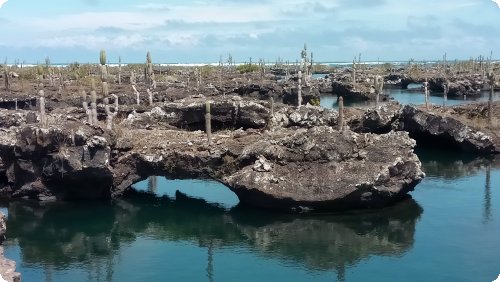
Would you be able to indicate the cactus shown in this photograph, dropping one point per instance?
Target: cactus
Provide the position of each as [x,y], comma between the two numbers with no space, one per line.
[92,84]
[104,73]
[379,86]
[119,70]
[271,113]
[150,97]
[110,114]
[299,91]
[43,116]
[341,113]
[208,123]
[149,73]
[353,74]
[6,76]
[39,72]
[132,78]
[197,73]
[426,92]
[85,105]
[105,89]
[137,95]
[93,106]
[446,87]
[492,82]
[102,57]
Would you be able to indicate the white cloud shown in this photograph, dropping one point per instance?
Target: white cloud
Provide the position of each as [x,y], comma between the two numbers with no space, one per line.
[496,1]
[3,2]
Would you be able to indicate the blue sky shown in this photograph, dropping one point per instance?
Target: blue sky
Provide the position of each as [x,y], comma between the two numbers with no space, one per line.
[203,30]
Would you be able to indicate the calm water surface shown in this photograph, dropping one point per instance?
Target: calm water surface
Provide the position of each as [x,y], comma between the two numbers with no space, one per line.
[196,231]
[413,95]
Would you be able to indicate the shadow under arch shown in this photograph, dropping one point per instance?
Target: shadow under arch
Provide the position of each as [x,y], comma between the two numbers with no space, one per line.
[67,235]
[212,191]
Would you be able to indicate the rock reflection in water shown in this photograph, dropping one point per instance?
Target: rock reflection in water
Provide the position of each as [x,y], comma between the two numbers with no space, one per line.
[63,236]
[439,163]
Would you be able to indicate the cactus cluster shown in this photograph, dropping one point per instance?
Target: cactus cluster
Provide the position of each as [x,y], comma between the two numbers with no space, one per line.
[306,64]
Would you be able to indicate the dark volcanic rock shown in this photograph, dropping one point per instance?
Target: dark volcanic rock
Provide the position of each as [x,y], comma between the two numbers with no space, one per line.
[458,87]
[427,126]
[380,119]
[310,95]
[257,91]
[299,163]
[359,93]
[67,163]
[322,169]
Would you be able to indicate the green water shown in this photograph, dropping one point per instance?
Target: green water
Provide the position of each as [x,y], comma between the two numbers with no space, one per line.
[449,231]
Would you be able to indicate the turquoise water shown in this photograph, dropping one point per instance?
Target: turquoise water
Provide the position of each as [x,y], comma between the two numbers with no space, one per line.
[414,95]
[196,231]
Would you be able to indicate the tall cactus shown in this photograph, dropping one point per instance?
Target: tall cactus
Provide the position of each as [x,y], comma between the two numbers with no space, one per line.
[149,73]
[426,92]
[93,106]
[353,74]
[119,70]
[208,123]
[299,91]
[379,86]
[110,114]
[6,77]
[150,96]
[341,114]
[43,116]
[104,73]
[446,87]
[492,82]
[85,105]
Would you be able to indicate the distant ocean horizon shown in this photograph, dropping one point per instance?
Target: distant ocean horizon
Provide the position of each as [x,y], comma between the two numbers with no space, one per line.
[268,63]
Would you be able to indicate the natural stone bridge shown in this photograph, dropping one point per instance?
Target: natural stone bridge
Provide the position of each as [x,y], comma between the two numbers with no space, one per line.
[297,160]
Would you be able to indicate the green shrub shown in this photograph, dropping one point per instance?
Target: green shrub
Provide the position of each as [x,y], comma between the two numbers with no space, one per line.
[245,68]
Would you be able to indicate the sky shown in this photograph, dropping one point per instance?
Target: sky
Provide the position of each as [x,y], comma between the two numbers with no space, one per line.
[200,31]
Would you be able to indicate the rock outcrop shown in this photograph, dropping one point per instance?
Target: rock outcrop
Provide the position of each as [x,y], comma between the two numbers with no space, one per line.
[431,127]
[7,267]
[322,169]
[458,87]
[301,163]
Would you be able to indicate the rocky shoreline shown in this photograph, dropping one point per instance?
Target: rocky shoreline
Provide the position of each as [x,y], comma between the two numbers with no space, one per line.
[7,267]
[267,143]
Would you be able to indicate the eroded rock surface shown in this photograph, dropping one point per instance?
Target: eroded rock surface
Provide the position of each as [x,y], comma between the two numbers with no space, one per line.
[300,162]
[430,126]
[320,168]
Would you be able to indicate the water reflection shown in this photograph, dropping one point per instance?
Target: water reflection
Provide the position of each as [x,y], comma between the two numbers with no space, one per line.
[449,165]
[487,195]
[64,236]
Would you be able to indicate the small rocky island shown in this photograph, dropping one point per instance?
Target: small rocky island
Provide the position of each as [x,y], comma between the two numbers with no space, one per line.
[90,132]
